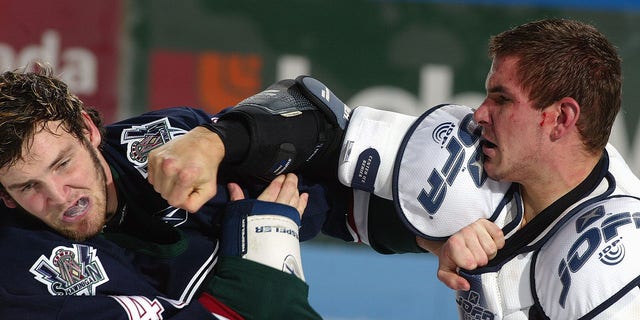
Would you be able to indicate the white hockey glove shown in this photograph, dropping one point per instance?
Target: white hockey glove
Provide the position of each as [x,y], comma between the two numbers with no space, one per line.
[263,232]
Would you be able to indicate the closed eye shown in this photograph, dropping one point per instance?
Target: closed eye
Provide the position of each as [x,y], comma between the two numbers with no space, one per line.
[27,186]
[501,100]
[64,163]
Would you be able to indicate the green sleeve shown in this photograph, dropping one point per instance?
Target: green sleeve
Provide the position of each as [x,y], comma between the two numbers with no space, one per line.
[256,291]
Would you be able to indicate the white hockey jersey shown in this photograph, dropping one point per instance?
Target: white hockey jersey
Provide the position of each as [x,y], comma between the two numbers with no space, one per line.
[576,260]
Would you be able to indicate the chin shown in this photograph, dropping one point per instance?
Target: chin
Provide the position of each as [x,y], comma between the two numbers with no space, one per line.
[74,235]
[490,171]
[82,233]
[488,168]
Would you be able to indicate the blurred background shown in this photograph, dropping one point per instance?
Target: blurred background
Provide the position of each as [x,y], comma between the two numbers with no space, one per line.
[126,56]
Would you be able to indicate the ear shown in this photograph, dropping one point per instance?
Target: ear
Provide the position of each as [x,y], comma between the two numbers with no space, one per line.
[92,132]
[8,201]
[567,117]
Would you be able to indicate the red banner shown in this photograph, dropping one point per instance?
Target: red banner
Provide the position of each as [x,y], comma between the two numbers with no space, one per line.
[79,39]
[207,79]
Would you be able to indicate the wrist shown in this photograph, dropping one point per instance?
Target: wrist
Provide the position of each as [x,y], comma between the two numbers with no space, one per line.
[232,139]
[212,141]
[430,245]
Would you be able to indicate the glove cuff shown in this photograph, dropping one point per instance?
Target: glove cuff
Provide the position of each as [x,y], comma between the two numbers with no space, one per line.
[234,136]
[263,232]
[292,126]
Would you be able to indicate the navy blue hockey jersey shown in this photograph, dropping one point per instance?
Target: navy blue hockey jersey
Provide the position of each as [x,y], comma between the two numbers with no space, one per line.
[151,258]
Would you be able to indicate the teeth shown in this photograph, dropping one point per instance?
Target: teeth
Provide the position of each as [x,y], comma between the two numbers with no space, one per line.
[78,208]
[83,203]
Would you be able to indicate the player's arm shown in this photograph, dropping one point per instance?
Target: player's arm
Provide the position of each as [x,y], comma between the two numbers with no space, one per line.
[259,273]
[366,164]
[471,247]
[292,126]
[268,224]
[184,170]
[416,176]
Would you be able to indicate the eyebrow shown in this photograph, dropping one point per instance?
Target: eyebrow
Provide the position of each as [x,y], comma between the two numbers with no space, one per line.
[15,186]
[63,153]
[498,88]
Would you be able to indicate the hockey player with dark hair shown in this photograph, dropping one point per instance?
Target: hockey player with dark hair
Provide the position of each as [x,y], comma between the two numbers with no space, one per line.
[90,238]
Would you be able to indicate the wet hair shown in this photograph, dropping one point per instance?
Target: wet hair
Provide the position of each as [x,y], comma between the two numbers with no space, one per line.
[31,99]
[560,58]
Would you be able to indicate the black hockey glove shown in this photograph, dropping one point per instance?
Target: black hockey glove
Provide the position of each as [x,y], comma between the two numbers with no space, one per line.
[292,126]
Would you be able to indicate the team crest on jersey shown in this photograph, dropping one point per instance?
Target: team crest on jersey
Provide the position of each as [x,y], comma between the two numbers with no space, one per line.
[141,139]
[70,271]
[173,216]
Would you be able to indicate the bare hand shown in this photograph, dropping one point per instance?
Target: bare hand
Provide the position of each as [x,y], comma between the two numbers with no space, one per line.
[283,189]
[184,170]
[471,247]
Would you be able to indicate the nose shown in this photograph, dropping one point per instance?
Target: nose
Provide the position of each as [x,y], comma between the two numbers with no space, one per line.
[56,192]
[481,116]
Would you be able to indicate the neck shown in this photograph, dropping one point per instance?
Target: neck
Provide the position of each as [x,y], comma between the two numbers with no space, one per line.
[552,184]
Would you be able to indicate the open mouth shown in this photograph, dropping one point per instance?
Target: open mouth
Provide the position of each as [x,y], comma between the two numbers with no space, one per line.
[79,208]
[487,144]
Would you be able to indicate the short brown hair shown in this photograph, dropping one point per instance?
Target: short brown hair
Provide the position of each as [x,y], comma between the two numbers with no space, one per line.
[28,100]
[560,58]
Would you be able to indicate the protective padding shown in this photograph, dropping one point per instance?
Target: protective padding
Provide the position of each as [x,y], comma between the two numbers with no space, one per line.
[439,185]
[369,149]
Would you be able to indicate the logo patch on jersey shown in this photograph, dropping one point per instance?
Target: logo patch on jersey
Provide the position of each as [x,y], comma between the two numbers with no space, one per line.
[457,143]
[601,240]
[364,177]
[141,139]
[173,216]
[613,253]
[442,132]
[589,218]
[471,306]
[70,271]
